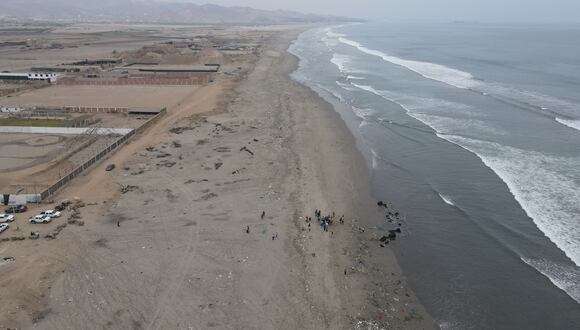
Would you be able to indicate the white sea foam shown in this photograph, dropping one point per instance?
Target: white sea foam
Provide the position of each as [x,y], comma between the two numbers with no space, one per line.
[446,199]
[454,125]
[332,34]
[375,160]
[566,277]
[536,99]
[347,87]
[545,186]
[443,116]
[428,70]
[575,124]
[367,88]
[338,96]
[363,113]
[355,77]
[341,61]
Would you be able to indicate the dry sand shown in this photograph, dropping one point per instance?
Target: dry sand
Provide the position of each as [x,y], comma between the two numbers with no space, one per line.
[102,96]
[173,253]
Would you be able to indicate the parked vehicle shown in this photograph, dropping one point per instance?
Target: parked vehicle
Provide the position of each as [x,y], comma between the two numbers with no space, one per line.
[3,227]
[16,209]
[110,167]
[6,218]
[50,213]
[40,219]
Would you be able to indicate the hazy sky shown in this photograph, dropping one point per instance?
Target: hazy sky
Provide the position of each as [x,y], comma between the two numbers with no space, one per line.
[480,10]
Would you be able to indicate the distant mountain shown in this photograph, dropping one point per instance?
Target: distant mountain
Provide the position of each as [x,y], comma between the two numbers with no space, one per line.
[150,11]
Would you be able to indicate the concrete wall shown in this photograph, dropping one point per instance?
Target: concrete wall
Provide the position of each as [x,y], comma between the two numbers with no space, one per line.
[64,130]
[11,109]
[62,182]
[21,199]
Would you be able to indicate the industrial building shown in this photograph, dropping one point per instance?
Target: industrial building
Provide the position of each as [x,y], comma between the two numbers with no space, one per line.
[171,68]
[23,76]
[100,61]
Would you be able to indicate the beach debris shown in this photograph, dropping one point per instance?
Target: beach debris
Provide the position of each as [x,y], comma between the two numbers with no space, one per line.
[170,195]
[141,171]
[222,149]
[238,171]
[34,235]
[63,205]
[176,144]
[244,148]
[166,163]
[209,196]
[162,155]
[128,188]
[195,181]
[179,130]
[217,165]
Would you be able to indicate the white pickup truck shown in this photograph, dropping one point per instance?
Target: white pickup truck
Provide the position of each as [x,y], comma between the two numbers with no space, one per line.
[6,217]
[40,219]
[50,213]
[3,227]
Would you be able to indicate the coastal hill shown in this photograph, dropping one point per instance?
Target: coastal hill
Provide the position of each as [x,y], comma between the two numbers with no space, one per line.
[150,11]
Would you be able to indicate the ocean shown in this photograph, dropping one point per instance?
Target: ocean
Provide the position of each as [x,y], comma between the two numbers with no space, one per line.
[473,132]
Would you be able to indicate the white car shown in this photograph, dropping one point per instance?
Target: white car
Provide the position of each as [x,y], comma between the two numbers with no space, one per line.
[50,213]
[6,218]
[40,219]
[3,227]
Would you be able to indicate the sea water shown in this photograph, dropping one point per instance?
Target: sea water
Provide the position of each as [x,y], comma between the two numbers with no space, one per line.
[473,131]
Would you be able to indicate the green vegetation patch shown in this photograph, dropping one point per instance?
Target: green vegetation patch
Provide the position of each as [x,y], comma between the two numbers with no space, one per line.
[32,122]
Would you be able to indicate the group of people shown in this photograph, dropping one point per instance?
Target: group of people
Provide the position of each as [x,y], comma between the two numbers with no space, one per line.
[324,220]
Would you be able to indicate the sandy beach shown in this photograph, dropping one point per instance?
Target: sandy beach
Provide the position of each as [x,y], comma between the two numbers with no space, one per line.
[174,237]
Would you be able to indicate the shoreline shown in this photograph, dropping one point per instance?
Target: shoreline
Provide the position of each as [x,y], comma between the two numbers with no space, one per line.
[371,263]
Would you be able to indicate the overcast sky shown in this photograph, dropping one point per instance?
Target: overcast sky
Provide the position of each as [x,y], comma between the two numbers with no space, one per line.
[479,10]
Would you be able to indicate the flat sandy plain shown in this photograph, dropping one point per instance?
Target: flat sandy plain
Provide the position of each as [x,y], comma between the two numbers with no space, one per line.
[173,251]
[102,96]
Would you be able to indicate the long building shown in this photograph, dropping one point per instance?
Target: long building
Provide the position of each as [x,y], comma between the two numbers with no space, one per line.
[46,76]
[170,68]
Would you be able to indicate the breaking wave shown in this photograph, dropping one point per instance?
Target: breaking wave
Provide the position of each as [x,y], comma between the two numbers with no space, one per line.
[549,196]
[465,80]
[428,70]
[574,124]
[565,277]
[446,199]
